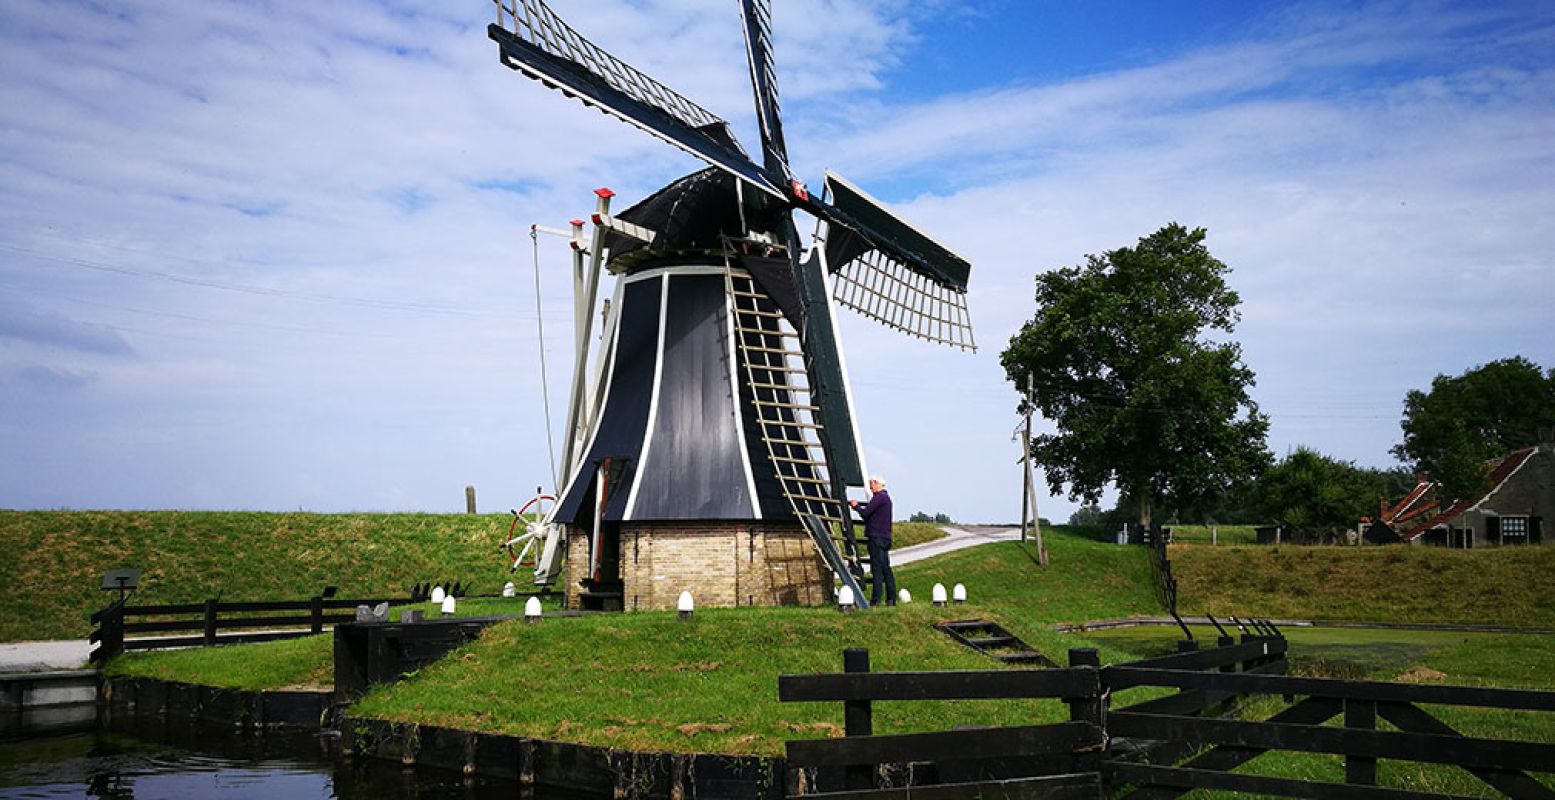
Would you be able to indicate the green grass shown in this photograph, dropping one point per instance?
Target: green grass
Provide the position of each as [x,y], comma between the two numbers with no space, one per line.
[50,592]
[304,663]
[907,534]
[1505,586]
[647,681]
[1223,535]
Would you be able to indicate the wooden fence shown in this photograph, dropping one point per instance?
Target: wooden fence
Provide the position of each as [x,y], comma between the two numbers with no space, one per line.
[113,625]
[1167,746]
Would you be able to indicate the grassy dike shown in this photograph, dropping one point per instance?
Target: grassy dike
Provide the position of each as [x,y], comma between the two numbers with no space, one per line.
[1491,586]
[48,587]
[647,681]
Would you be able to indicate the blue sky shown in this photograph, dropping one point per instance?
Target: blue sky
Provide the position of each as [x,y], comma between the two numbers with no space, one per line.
[276,257]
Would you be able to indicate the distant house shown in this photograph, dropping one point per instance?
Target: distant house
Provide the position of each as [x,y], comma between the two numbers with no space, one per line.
[1519,495]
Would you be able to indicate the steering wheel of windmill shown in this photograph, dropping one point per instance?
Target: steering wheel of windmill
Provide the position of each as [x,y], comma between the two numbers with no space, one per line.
[526,533]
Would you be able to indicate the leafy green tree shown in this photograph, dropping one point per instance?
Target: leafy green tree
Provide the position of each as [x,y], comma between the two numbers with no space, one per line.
[1463,421]
[1089,515]
[1308,492]
[1142,399]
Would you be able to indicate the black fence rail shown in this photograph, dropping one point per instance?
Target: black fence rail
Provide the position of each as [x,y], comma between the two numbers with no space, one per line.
[215,621]
[1162,747]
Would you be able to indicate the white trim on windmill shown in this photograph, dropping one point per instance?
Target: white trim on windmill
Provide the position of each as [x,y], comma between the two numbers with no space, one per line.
[643,462]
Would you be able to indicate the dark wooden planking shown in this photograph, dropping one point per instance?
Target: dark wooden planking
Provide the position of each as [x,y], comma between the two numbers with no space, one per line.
[1081,786]
[1431,748]
[1123,677]
[1186,779]
[1193,701]
[1311,711]
[948,685]
[1513,783]
[1062,737]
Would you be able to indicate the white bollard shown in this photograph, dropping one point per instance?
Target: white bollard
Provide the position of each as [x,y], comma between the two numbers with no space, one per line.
[509,590]
[958,594]
[684,606]
[905,596]
[449,605]
[438,594]
[532,609]
[845,599]
[938,594]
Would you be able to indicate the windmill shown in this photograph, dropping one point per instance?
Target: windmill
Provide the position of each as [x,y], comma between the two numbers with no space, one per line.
[718,412]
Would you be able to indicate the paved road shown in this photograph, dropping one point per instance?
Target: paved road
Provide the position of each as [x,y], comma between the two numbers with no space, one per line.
[955,539]
[38,656]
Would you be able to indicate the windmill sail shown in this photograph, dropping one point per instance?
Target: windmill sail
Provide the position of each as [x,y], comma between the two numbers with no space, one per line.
[537,43]
[891,272]
[758,47]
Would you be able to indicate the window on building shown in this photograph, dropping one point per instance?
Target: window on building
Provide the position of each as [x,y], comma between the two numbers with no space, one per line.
[1514,530]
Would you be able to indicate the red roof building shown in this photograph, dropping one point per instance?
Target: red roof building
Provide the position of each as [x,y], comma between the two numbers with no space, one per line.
[1519,494]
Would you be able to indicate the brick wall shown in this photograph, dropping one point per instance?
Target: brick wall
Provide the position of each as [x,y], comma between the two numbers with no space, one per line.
[720,563]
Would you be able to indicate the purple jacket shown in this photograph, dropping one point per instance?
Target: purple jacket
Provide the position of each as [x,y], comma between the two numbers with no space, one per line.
[876,515]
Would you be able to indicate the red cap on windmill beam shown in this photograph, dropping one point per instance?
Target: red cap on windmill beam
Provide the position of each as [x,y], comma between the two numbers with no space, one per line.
[604,192]
[577,223]
[799,189]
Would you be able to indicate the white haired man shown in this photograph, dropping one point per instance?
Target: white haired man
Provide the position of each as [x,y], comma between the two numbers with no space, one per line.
[877,534]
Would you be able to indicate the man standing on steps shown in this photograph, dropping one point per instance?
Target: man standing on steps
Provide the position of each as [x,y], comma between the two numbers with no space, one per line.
[877,533]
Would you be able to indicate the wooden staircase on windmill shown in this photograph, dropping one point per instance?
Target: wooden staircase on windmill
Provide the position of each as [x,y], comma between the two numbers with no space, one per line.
[774,369]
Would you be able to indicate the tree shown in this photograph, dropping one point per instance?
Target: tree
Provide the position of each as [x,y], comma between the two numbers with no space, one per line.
[1089,515]
[1117,357]
[1310,493]
[1464,421]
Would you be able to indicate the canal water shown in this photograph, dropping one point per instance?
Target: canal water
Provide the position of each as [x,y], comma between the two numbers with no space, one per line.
[65,756]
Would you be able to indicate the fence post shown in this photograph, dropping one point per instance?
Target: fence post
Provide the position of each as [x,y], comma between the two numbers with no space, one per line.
[1360,715]
[210,621]
[858,720]
[316,610]
[110,632]
[113,632]
[1091,708]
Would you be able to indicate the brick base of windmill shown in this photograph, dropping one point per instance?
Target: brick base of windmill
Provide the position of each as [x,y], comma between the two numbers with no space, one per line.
[723,565]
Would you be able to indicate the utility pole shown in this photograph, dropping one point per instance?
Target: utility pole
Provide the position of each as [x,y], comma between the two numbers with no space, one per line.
[1028,487]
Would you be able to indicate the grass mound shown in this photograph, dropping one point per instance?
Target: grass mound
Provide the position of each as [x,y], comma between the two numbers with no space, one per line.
[299,664]
[49,587]
[648,681]
[1494,586]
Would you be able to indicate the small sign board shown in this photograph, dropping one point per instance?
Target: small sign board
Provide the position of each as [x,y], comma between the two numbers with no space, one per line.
[121,579]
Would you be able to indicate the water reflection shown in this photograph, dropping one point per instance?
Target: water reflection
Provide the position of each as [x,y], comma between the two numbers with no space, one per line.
[157,759]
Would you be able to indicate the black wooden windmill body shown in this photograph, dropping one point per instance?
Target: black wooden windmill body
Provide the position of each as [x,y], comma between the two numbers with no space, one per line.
[719,392]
